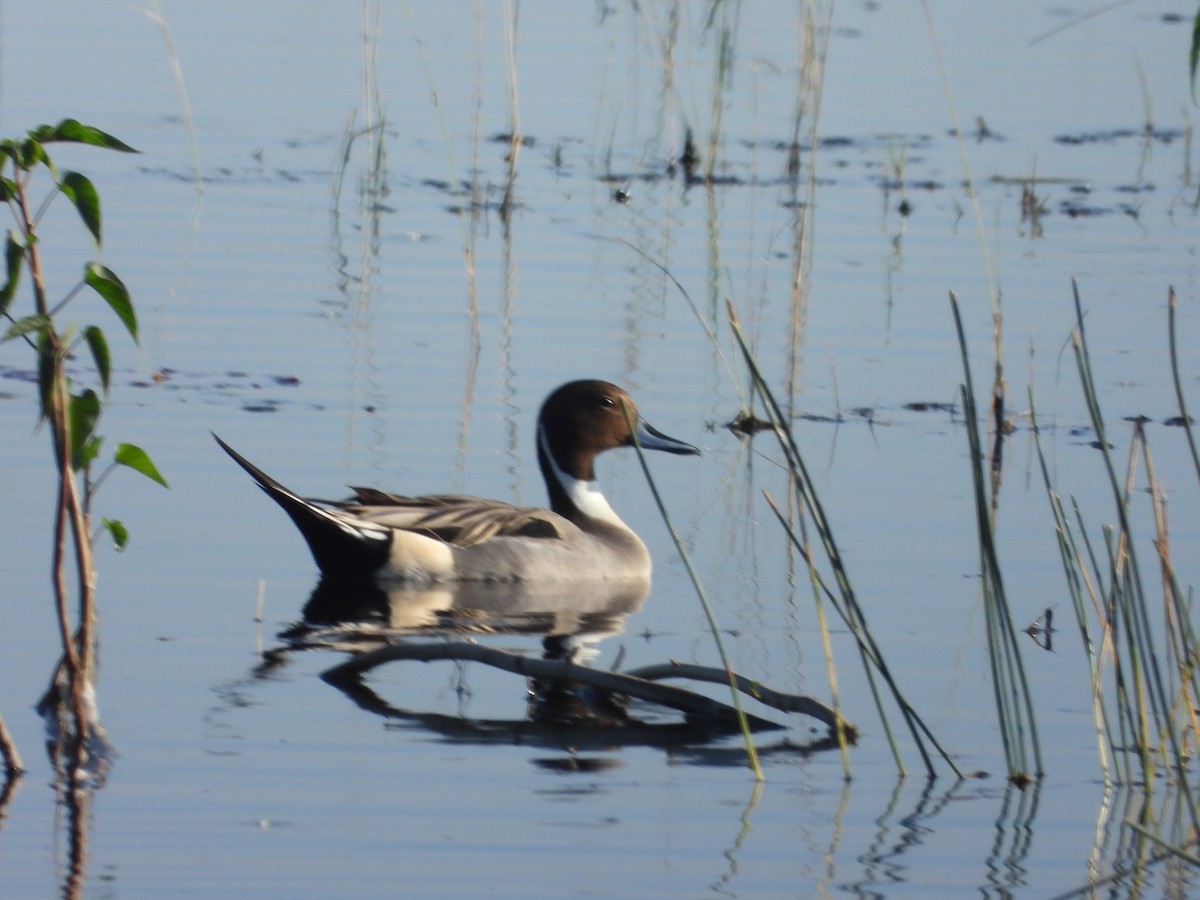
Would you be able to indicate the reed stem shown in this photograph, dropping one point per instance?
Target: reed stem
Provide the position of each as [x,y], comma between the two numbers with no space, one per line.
[849,608]
[710,616]
[1014,704]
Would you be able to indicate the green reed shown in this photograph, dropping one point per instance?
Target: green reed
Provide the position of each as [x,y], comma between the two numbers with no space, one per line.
[1184,419]
[1082,587]
[1014,705]
[710,616]
[1142,660]
[844,600]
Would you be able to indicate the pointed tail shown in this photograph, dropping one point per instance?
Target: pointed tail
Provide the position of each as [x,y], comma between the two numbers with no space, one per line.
[340,544]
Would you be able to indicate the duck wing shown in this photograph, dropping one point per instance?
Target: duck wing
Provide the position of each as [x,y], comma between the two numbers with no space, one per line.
[461,521]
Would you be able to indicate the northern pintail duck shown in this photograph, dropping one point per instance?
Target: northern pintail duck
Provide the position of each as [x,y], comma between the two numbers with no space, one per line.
[445,538]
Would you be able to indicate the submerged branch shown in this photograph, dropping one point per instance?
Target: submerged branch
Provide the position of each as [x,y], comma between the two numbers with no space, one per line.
[9,754]
[793,703]
[637,685]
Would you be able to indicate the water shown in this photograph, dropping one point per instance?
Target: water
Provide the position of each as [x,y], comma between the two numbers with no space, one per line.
[323,323]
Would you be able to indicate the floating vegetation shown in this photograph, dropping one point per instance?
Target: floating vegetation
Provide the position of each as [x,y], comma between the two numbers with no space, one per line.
[1114,135]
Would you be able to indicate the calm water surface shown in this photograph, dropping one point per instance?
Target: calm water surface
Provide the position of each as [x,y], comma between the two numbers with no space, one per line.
[322,318]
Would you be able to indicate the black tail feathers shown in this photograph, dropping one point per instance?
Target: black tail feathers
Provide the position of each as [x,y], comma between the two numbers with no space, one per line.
[338,544]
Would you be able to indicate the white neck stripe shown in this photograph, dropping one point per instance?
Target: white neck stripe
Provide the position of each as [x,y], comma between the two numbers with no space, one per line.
[585,496]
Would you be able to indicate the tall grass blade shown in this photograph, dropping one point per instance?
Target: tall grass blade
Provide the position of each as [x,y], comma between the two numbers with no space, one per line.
[751,750]
[1077,584]
[848,608]
[1158,736]
[1014,705]
[1184,418]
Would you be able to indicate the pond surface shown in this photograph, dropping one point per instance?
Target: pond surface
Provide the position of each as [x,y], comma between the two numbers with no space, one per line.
[333,274]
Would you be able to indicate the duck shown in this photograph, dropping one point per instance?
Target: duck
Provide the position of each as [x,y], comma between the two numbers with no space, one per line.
[444,538]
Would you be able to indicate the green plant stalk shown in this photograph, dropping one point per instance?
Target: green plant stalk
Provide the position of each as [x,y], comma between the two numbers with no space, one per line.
[1127,696]
[1014,704]
[1072,566]
[743,725]
[1137,610]
[1194,54]
[1180,637]
[71,417]
[1183,413]
[830,668]
[1007,717]
[1134,697]
[1186,640]
[1118,746]
[77,651]
[853,614]
[865,647]
[1011,690]
[1127,599]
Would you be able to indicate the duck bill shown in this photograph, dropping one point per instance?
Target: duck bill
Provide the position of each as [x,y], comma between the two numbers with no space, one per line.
[650,438]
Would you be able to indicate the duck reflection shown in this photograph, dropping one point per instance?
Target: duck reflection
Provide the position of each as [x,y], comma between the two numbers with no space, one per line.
[360,615]
[569,706]
[581,610]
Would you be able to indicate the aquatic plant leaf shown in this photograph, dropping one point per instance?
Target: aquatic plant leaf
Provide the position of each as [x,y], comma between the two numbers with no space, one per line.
[30,153]
[120,534]
[137,459]
[1194,57]
[88,452]
[105,282]
[14,253]
[25,154]
[47,369]
[84,413]
[99,347]
[82,193]
[71,130]
[27,324]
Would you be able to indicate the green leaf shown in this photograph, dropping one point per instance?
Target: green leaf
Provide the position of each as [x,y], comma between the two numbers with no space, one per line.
[138,460]
[81,192]
[120,534]
[99,346]
[105,282]
[31,152]
[47,369]
[26,325]
[14,255]
[1194,57]
[83,414]
[75,132]
[8,189]
[88,452]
